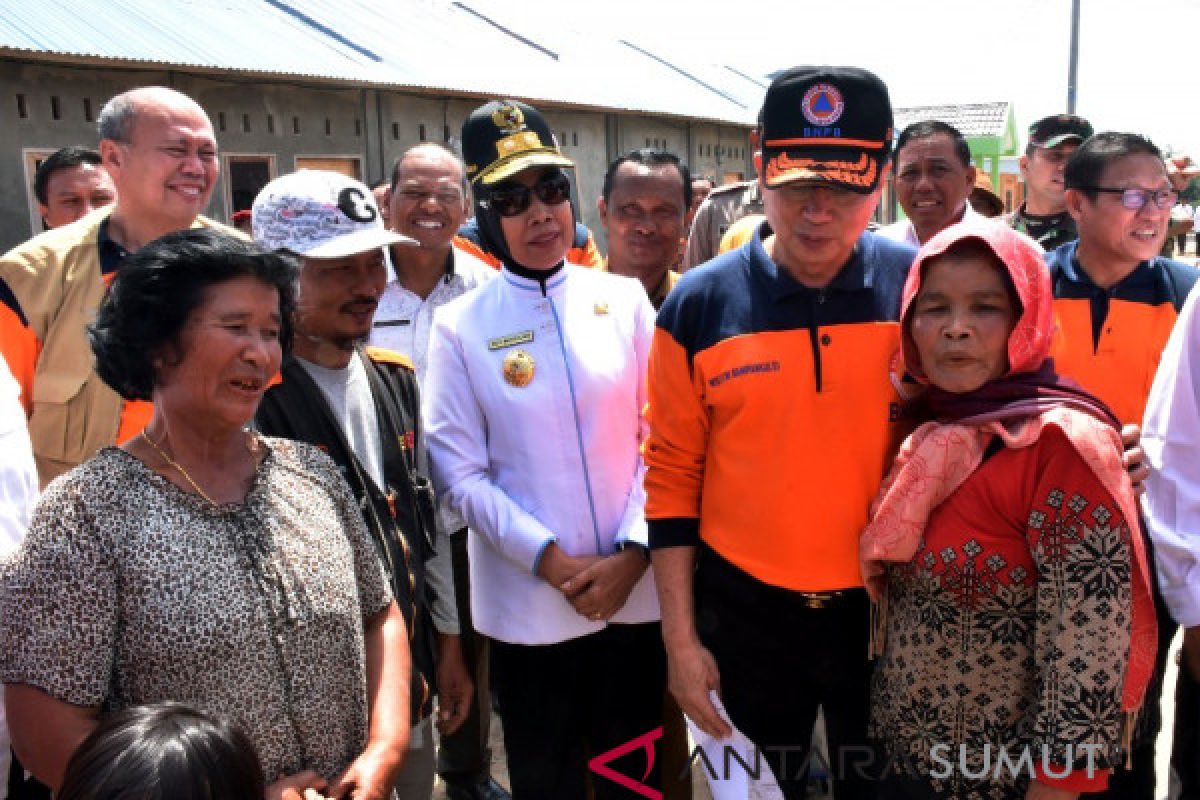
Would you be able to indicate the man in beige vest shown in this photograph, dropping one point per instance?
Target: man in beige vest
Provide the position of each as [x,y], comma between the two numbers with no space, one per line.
[160,149]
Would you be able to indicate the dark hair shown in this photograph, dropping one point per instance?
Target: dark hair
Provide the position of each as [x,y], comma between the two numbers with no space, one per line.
[934,127]
[158,288]
[164,751]
[466,183]
[70,156]
[1087,164]
[649,157]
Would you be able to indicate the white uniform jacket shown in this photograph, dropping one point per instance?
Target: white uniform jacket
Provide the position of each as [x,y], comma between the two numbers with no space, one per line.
[1171,439]
[555,460]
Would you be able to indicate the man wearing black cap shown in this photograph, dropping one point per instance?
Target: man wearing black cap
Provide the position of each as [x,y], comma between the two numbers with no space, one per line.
[1043,215]
[772,421]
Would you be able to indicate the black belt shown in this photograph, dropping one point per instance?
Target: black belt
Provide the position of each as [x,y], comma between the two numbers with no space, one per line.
[725,572]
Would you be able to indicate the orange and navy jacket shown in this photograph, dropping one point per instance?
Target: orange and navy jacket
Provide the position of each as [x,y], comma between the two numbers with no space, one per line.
[1110,340]
[19,345]
[773,416]
[583,248]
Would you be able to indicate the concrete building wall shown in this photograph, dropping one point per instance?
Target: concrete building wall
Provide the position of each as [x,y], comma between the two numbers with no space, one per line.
[264,128]
[42,109]
[702,158]
[407,120]
[583,139]
[721,152]
[281,122]
[644,131]
[734,162]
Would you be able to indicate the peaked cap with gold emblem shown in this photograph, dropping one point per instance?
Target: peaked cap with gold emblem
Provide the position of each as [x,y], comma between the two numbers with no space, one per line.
[504,137]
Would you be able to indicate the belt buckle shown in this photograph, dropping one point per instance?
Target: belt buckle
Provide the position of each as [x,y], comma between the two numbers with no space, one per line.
[816,600]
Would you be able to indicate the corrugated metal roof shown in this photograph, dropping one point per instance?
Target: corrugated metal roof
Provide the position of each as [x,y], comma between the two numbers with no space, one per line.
[204,33]
[971,119]
[438,45]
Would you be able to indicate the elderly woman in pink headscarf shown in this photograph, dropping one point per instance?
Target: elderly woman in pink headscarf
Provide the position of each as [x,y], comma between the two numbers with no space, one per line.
[1014,626]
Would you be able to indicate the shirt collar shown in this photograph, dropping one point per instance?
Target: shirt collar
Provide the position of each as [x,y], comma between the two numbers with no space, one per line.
[851,277]
[532,287]
[669,279]
[969,214]
[112,254]
[1142,276]
[1043,219]
[448,275]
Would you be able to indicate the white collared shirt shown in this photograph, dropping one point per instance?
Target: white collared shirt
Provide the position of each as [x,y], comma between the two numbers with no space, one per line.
[1171,439]
[403,320]
[903,230]
[555,460]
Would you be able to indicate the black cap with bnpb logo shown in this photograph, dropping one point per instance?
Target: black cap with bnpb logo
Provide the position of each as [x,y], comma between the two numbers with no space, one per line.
[828,125]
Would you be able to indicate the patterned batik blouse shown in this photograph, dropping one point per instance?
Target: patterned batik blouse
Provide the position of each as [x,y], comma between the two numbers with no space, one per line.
[1009,630]
[129,590]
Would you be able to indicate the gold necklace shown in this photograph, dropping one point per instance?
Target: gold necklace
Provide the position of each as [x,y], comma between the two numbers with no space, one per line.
[178,468]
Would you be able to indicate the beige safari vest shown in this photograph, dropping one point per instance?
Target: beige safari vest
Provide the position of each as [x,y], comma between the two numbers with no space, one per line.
[56,278]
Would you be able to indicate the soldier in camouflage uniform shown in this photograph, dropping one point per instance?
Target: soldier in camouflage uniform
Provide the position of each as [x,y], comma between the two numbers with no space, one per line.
[1043,215]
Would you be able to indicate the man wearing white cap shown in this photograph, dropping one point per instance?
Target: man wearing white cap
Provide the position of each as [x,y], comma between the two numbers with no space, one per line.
[360,404]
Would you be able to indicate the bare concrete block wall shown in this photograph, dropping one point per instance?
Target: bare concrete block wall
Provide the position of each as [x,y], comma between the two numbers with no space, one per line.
[45,107]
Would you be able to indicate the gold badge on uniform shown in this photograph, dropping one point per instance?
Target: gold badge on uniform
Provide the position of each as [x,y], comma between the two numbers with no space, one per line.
[600,309]
[518,368]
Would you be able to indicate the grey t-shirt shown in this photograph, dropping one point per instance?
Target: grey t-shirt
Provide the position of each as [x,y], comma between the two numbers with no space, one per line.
[348,393]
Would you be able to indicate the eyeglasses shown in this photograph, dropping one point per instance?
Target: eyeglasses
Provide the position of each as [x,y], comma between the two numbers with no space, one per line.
[512,199]
[1136,199]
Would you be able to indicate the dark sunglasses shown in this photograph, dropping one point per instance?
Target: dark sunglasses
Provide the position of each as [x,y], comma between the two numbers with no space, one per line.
[511,199]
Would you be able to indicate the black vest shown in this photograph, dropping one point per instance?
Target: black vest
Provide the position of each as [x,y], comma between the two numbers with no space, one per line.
[400,516]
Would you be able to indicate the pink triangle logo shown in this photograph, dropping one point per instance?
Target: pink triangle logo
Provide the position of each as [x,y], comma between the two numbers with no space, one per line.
[599,764]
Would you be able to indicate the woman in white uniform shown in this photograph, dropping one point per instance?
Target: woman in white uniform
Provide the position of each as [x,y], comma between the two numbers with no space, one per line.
[535,387]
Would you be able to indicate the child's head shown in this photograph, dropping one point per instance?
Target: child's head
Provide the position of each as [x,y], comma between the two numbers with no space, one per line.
[164,751]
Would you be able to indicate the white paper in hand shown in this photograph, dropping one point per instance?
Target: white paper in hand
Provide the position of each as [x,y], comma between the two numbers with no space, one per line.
[734,782]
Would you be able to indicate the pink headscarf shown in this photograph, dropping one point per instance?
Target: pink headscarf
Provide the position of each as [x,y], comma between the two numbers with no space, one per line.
[1029,343]
[940,455]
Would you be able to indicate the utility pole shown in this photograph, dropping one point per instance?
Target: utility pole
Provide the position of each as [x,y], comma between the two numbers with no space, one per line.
[1073,68]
